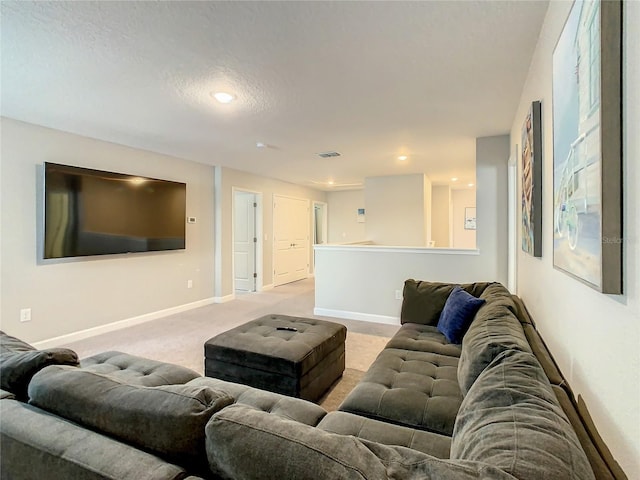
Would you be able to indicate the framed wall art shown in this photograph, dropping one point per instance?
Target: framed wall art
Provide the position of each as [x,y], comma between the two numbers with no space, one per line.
[587,145]
[470,218]
[532,182]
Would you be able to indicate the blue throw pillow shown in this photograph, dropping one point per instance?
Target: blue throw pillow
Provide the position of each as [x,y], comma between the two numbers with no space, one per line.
[457,314]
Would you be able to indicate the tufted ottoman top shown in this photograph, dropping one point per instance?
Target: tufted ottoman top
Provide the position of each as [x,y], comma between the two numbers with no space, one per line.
[281,344]
[137,370]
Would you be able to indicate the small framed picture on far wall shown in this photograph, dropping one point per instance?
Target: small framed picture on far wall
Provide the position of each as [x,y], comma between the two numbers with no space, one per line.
[470,218]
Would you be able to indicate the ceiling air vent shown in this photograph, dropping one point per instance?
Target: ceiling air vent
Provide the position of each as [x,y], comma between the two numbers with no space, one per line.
[328,154]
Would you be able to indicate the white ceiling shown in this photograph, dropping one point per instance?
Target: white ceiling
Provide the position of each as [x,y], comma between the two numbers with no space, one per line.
[371,80]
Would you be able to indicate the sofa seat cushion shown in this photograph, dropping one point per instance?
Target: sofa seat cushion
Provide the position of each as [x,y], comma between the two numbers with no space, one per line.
[494,329]
[20,361]
[292,408]
[345,423]
[422,301]
[510,418]
[423,338]
[137,370]
[36,444]
[415,389]
[168,420]
[244,443]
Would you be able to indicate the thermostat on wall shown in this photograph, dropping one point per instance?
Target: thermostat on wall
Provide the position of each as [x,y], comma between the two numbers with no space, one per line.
[191,219]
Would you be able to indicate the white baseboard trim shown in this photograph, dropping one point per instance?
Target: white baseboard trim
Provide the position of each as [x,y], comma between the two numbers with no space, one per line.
[225,299]
[111,327]
[366,317]
[267,287]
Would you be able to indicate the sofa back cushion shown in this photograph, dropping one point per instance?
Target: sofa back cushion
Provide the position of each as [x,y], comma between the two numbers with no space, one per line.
[35,444]
[136,370]
[589,439]
[168,420]
[542,353]
[511,419]
[423,302]
[494,329]
[243,442]
[20,361]
[292,408]
[345,423]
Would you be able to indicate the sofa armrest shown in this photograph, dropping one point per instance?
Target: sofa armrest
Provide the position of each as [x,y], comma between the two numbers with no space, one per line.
[19,362]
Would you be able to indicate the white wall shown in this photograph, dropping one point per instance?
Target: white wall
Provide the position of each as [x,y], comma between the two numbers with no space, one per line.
[460,199]
[360,281]
[72,295]
[343,224]
[441,215]
[396,210]
[594,337]
[492,238]
[226,180]
[426,211]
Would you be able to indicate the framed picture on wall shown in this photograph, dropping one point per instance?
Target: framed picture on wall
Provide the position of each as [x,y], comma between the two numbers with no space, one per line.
[532,182]
[587,145]
[470,218]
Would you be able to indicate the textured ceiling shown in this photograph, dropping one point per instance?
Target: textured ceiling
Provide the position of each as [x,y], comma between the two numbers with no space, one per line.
[371,80]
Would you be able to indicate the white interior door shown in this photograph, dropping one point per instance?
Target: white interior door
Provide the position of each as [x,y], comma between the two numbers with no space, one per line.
[291,239]
[244,241]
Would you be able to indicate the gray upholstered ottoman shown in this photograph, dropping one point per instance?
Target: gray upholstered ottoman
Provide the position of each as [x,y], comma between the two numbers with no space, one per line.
[295,356]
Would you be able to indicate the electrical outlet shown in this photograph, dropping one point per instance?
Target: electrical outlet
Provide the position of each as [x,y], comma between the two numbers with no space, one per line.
[25,315]
[189,283]
[398,294]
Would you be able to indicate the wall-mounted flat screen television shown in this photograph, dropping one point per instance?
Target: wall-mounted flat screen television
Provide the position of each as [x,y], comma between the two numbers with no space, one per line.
[92,212]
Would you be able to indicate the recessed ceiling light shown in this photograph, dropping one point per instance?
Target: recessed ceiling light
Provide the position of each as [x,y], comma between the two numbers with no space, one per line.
[330,182]
[138,180]
[402,157]
[260,145]
[470,185]
[454,179]
[224,97]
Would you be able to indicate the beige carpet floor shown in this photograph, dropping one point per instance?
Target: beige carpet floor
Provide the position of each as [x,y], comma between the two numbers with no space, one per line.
[180,338]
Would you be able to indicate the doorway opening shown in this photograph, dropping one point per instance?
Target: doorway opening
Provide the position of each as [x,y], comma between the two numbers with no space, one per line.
[319,223]
[319,227]
[247,241]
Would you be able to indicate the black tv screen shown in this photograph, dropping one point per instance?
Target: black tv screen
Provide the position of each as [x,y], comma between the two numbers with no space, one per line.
[91,212]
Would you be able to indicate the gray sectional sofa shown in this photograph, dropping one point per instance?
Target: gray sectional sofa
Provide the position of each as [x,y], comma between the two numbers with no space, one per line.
[493,407]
